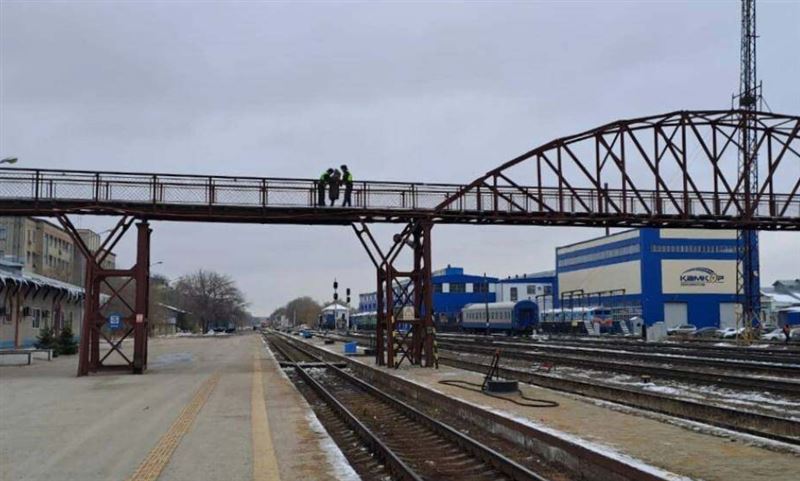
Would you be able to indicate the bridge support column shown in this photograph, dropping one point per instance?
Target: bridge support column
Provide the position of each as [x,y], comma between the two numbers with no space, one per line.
[398,335]
[115,302]
[423,297]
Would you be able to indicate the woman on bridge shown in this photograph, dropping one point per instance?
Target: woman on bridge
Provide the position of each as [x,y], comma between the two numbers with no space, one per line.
[333,186]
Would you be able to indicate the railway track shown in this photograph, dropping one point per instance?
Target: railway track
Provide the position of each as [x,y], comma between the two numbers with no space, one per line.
[685,360]
[696,372]
[732,353]
[771,427]
[404,442]
[653,369]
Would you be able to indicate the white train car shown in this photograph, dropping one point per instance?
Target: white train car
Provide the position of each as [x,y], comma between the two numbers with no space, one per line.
[511,317]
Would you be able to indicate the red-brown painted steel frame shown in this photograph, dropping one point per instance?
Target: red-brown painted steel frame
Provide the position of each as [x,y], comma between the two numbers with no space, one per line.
[582,199]
[416,345]
[136,323]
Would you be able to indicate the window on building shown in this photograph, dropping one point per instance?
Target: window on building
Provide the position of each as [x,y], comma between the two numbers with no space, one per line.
[480,287]
[598,256]
[438,287]
[458,287]
[36,318]
[531,289]
[693,249]
[514,295]
[548,290]
[3,233]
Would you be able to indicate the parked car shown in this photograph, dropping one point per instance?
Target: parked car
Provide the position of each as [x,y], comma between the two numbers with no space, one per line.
[774,335]
[682,329]
[705,332]
[731,332]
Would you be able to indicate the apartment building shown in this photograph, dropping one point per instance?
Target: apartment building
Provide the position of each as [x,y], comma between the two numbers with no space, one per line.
[45,249]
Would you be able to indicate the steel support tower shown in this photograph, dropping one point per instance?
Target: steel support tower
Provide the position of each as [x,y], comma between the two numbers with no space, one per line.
[748,286]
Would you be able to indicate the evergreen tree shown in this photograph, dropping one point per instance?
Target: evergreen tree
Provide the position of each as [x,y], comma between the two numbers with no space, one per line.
[65,343]
[45,339]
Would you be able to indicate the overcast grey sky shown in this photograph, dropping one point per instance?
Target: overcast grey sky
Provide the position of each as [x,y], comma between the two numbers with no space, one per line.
[399,91]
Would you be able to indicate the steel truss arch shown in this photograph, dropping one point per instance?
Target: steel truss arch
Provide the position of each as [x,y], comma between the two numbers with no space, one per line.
[676,169]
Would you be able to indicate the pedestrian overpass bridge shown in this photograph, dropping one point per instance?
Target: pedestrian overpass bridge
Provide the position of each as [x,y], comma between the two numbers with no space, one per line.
[679,169]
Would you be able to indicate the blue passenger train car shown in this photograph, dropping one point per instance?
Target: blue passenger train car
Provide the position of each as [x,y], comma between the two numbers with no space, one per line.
[510,317]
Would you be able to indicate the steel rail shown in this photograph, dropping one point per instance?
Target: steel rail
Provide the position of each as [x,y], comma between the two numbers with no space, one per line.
[478,450]
[743,366]
[695,376]
[781,360]
[586,461]
[394,464]
[771,427]
[784,356]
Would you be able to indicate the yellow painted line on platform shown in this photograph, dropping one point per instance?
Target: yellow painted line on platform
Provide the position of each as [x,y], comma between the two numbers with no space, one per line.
[159,456]
[265,465]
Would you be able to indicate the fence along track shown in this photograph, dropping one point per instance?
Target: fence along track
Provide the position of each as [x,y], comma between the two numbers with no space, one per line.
[412,444]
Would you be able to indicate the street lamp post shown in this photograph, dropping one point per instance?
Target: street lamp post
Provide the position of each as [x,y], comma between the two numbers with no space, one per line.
[9,160]
[486,303]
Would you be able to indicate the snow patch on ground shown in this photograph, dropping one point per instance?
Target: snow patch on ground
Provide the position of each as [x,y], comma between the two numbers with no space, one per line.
[212,333]
[341,466]
[600,448]
[758,401]
[695,426]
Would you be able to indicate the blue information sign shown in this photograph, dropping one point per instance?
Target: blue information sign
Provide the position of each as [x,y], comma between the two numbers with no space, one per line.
[114,320]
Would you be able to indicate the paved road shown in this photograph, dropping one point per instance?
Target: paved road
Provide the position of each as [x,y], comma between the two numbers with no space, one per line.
[196,415]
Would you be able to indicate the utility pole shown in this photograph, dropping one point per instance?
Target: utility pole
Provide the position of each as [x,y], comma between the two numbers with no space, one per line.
[486,303]
[748,285]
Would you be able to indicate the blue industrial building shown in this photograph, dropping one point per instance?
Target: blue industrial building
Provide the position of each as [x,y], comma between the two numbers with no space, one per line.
[678,276]
[452,290]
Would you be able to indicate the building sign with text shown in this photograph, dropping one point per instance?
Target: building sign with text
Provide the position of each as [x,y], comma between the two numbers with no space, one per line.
[698,276]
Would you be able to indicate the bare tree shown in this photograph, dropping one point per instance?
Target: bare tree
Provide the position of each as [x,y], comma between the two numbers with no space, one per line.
[212,298]
[302,310]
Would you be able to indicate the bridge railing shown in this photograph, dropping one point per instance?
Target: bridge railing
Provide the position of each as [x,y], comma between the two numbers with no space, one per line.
[42,186]
[45,185]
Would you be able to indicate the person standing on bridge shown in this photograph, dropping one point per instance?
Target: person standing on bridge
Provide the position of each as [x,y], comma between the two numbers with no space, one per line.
[324,179]
[333,186]
[347,180]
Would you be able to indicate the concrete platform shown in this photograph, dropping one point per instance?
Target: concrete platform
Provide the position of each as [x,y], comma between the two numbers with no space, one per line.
[683,449]
[209,408]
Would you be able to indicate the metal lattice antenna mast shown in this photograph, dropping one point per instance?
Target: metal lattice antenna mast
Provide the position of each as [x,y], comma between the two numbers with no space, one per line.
[748,287]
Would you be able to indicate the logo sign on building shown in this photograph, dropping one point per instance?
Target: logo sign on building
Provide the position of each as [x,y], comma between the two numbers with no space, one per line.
[700,276]
[114,320]
[712,276]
